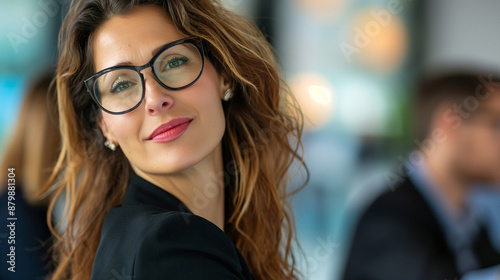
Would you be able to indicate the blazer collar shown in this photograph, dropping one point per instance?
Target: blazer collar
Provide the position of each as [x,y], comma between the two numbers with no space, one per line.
[142,192]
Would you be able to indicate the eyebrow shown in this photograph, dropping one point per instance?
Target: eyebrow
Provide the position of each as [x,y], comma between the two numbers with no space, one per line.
[157,49]
[153,52]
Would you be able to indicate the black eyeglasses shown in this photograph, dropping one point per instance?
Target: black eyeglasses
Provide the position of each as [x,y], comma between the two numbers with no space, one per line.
[120,89]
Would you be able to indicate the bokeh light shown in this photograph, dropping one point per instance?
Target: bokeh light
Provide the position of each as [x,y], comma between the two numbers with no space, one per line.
[382,39]
[323,10]
[316,98]
[363,108]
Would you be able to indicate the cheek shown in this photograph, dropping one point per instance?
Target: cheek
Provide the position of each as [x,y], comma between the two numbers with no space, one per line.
[122,128]
[205,97]
[211,121]
[479,149]
[210,105]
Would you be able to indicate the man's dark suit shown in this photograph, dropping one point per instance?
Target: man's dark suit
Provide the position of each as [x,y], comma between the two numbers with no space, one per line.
[399,237]
[152,235]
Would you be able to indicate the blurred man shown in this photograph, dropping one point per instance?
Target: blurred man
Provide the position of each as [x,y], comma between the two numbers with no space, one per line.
[487,200]
[423,228]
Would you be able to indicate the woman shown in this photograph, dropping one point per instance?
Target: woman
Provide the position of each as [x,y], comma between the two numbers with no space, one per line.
[175,111]
[31,151]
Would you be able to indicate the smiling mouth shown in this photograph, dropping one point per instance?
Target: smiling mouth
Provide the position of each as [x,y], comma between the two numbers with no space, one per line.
[170,131]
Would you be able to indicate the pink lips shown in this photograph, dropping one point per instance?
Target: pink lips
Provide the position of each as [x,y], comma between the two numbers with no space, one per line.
[170,131]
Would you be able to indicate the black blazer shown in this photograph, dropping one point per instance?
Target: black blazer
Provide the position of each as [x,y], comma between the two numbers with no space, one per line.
[399,237]
[152,235]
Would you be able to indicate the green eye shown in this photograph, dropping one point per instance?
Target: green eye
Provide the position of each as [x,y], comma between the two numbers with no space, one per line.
[121,86]
[175,62]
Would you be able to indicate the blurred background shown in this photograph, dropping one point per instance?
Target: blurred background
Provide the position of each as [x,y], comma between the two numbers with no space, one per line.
[352,64]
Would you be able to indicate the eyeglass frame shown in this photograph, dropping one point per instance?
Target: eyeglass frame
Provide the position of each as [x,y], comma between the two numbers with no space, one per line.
[90,82]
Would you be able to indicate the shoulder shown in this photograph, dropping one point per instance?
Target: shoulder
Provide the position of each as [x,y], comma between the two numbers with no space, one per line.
[403,203]
[173,227]
[398,236]
[186,246]
[400,215]
[149,224]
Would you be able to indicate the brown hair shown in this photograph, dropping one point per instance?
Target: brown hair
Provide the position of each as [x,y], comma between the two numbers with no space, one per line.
[34,145]
[445,89]
[262,138]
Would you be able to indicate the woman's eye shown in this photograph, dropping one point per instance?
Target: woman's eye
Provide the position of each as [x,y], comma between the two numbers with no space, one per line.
[121,86]
[175,62]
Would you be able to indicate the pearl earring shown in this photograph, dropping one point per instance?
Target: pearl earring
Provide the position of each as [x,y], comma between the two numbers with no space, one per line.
[228,94]
[110,145]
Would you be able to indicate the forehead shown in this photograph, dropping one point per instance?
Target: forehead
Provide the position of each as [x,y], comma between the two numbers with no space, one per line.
[130,39]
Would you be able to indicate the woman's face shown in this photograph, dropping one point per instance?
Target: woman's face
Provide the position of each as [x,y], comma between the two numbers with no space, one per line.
[132,40]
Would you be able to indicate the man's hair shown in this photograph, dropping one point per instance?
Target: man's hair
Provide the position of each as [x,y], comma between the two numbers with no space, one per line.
[448,89]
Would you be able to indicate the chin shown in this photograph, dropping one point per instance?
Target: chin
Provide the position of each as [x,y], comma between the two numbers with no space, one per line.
[179,163]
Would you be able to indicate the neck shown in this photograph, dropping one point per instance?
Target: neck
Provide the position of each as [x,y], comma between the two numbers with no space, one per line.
[453,186]
[199,187]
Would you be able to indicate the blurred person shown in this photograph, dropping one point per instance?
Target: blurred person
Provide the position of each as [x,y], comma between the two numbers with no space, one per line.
[184,160]
[424,227]
[31,151]
[487,200]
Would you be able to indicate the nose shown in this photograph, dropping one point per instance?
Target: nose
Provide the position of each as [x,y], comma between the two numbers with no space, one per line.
[157,99]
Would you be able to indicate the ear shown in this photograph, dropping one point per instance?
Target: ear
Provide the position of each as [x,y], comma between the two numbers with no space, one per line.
[225,84]
[105,130]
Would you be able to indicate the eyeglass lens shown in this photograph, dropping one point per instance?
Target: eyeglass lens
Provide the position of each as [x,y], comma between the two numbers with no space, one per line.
[122,89]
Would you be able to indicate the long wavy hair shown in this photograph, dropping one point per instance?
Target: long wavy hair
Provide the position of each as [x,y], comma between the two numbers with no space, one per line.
[260,145]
